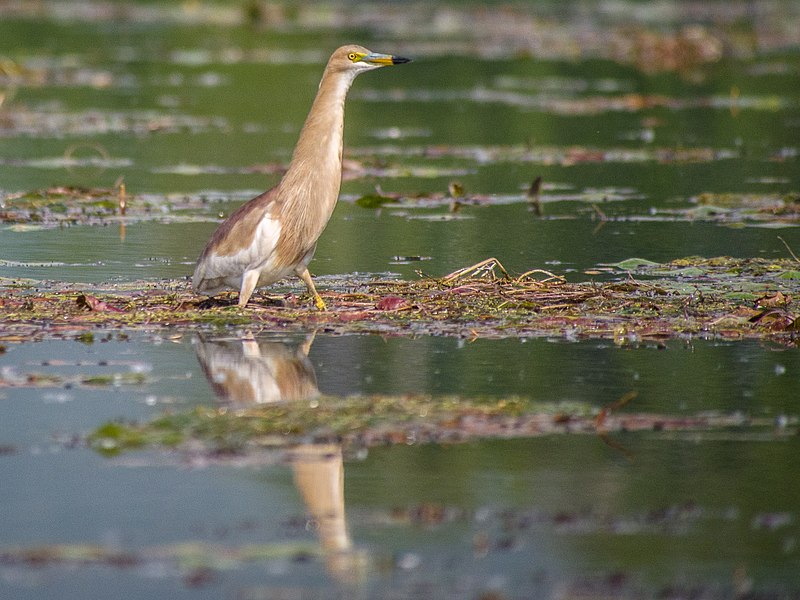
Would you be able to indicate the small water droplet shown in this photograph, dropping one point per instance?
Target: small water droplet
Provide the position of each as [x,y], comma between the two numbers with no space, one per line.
[409,561]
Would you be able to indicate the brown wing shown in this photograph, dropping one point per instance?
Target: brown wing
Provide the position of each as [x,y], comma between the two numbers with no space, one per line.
[233,236]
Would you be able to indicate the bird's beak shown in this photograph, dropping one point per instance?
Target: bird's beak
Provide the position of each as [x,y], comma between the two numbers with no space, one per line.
[376,58]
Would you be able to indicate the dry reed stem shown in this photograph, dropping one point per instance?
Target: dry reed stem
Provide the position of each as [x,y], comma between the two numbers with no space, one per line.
[485,268]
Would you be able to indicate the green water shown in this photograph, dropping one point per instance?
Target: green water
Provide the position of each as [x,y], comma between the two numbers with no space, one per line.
[188,101]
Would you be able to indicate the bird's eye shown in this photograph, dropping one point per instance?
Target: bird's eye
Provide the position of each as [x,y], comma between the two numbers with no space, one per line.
[353,56]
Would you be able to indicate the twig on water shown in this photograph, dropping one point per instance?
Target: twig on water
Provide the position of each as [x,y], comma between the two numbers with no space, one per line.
[485,268]
[794,256]
[534,196]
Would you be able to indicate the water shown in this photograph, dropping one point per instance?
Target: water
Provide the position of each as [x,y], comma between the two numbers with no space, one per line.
[554,511]
[195,111]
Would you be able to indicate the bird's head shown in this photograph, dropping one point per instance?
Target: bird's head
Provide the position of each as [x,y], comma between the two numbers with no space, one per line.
[357,59]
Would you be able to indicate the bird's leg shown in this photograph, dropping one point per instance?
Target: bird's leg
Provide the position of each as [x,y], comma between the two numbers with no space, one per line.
[305,347]
[306,277]
[249,281]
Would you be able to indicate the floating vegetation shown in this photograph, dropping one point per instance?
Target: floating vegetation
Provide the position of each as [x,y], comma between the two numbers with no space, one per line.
[562,156]
[11,379]
[366,421]
[62,205]
[197,562]
[679,37]
[577,106]
[202,566]
[49,373]
[19,120]
[728,297]
[773,210]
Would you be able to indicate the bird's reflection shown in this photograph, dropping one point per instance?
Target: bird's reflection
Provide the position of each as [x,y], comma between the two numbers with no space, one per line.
[245,372]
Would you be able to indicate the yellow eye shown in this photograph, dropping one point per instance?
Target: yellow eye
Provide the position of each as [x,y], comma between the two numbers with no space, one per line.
[353,56]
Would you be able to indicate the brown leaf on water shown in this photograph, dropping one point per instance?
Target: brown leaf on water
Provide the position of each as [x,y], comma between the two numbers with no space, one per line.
[391,303]
[776,319]
[773,300]
[94,304]
[600,419]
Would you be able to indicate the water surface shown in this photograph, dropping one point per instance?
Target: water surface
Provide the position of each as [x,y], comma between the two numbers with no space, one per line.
[548,513]
[195,109]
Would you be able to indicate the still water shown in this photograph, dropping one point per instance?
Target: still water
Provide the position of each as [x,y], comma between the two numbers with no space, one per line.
[195,108]
[526,518]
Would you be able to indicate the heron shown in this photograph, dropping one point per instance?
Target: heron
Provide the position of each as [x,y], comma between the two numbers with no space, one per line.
[274,235]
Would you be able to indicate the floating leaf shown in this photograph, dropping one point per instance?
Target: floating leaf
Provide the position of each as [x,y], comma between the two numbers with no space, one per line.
[92,303]
[391,303]
[25,227]
[373,201]
[632,264]
[689,272]
[772,300]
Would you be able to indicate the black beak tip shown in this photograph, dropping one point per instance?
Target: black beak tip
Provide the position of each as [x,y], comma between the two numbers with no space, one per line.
[400,60]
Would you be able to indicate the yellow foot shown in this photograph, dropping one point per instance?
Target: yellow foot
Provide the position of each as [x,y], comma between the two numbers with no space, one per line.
[319,302]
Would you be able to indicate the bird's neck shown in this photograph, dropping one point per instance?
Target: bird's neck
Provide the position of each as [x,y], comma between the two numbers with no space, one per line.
[315,172]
